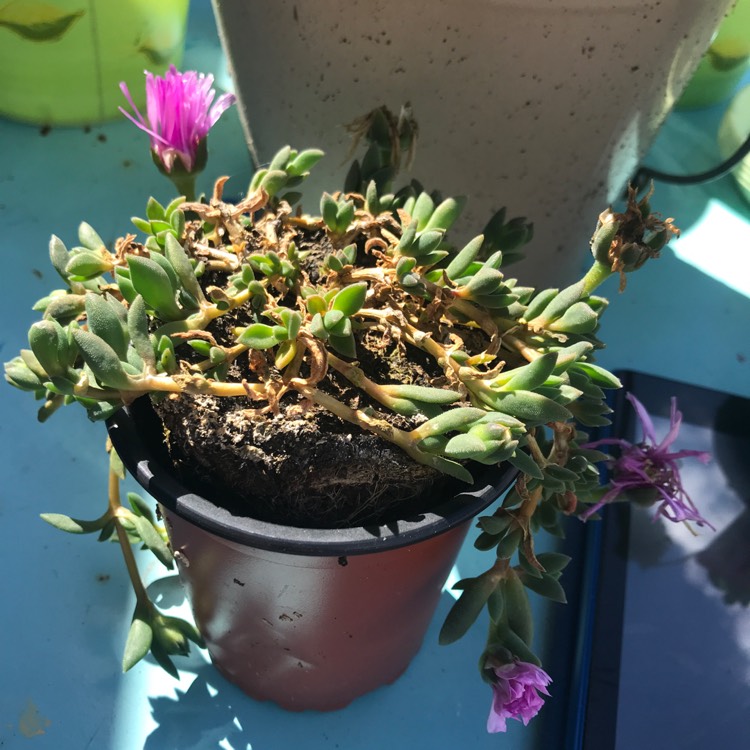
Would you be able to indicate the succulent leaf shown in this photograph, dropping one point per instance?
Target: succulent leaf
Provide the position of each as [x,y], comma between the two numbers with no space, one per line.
[182,266]
[446,214]
[153,283]
[350,299]
[139,640]
[465,257]
[258,336]
[474,595]
[139,333]
[104,322]
[102,360]
[88,237]
[49,343]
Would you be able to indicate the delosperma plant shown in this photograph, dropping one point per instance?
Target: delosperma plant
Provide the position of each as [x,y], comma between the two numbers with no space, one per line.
[514,378]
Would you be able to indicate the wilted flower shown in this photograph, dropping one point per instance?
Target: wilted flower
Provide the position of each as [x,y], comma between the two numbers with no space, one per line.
[651,466]
[180,114]
[514,694]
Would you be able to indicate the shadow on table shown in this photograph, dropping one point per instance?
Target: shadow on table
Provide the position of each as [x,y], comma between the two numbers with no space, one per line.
[179,728]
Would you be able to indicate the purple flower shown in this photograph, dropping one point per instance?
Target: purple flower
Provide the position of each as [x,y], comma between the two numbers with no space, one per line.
[514,694]
[651,466]
[179,114]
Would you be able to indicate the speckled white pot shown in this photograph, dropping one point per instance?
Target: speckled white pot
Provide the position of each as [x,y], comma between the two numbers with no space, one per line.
[545,106]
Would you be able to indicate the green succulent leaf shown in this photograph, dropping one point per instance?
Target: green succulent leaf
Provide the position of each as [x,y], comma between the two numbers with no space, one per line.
[89,238]
[301,164]
[474,595]
[426,242]
[407,237]
[452,419]
[553,562]
[59,256]
[102,360]
[17,373]
[532,408]
[484,282]
[460,264]
[333,318]
[280,159]
[423,208]
[598,375]
[561,473]
[139,640]
[423,393]
[531,376]
[578,318]
[451,468]
[508,545]
[27,357]
[87,265]
[293,322]
[75,525]
[49,343]
[329,209]
[139,505]
[546,586]
[504,636]
[153,283]
[105,322]
[177,256]
[344,345]
[317,327]
[539,303]
[139,333]
[155,211]
[464,445]
[525,463]
[350,299]
[122,276]
[446,214]
[64,307]
[518,609]
[152,539]
[495,524]
[273,181]
[344,216]
[258,336]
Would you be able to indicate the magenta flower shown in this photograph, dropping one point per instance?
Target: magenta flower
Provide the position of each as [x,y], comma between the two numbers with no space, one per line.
[514,694]
[180,114]
[651,466]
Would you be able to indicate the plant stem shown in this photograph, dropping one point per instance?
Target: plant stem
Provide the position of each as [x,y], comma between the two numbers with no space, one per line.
[379,427]
[357,377]
[116,508]
[595,276]
[184,182]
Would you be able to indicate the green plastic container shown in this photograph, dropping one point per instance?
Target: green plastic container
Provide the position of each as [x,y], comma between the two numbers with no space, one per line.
[725,63]
[62,60]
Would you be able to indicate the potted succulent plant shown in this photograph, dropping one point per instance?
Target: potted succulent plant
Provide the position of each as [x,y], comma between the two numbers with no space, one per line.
[321,404]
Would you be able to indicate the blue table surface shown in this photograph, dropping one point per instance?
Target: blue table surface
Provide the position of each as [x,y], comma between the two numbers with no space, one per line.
[66,600]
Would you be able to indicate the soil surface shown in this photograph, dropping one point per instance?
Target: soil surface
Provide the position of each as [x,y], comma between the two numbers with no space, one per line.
[303,466]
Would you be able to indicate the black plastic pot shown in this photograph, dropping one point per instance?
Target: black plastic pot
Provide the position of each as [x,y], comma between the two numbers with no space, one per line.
[308,618]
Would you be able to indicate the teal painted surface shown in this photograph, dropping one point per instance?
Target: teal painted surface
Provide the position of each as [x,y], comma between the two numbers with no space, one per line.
[66,600]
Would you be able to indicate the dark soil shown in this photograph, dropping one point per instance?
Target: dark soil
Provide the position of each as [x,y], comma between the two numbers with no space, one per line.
[303,466]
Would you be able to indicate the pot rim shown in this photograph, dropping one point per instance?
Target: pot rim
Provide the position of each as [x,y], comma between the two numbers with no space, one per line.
[160,482]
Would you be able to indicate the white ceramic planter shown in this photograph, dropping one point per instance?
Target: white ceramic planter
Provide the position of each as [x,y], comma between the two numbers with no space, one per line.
[545,106]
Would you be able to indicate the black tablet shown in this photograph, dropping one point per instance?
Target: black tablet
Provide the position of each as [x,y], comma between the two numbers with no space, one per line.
[664,652]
